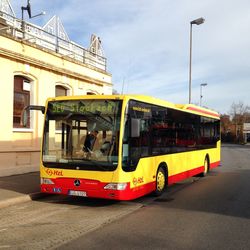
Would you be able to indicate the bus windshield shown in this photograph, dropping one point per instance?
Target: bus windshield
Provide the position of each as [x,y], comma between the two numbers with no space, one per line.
[82,134]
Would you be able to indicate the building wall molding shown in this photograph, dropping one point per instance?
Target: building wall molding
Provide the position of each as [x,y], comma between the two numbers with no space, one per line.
[41,64]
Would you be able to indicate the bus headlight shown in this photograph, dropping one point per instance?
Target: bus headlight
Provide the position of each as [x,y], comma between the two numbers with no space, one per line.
[47,181]
[116,186]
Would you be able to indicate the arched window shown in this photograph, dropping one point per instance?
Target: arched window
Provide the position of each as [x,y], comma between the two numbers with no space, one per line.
[61,91]
[22,89]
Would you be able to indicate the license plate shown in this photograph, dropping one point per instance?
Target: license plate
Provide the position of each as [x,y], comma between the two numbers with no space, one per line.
[77,193]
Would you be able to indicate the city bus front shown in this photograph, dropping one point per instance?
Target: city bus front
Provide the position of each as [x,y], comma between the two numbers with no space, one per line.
[81,147]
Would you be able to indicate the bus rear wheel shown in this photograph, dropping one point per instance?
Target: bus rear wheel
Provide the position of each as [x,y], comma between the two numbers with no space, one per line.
[160,181]
[206,167]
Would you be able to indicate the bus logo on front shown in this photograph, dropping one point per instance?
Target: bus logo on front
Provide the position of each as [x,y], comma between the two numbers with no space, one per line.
[77,183]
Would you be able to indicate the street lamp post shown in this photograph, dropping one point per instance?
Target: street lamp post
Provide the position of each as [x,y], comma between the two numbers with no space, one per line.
[197,22]
[28,9]
[202,85]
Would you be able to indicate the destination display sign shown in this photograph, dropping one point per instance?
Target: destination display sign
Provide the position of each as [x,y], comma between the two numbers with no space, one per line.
[82,107]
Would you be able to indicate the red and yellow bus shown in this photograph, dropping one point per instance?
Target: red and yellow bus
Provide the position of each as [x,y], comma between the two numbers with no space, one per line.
[124,146]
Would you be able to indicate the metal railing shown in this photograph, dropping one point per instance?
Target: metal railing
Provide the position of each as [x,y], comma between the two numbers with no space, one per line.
[36,35]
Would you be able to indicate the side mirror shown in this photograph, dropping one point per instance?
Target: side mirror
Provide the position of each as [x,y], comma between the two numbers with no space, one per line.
[135,128]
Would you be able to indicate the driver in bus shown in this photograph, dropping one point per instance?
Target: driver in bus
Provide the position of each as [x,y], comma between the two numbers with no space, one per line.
[88,147]
[90,141]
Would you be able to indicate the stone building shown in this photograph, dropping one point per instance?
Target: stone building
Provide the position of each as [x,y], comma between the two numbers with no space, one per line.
[37,63]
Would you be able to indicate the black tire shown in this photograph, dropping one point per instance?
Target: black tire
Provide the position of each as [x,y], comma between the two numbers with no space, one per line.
[206,167]
[160,182]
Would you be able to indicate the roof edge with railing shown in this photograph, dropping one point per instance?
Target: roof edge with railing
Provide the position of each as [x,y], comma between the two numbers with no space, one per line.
[34,34]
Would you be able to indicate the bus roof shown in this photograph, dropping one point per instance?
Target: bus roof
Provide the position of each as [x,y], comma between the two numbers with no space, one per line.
[190,108]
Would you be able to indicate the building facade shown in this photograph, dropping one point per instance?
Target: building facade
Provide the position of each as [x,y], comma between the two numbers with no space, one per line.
[37,63]
[235,129]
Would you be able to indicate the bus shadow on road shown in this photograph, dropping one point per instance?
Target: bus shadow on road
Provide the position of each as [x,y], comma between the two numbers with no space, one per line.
[78,201]
[225,193]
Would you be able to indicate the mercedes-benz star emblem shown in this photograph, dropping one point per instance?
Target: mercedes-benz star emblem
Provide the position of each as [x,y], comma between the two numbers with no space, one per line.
[77,183]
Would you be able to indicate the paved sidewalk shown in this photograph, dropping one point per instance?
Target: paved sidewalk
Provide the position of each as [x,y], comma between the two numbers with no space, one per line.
[19,188]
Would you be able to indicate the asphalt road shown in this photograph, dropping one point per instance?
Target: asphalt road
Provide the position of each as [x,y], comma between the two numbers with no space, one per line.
[209,213]
[200,213]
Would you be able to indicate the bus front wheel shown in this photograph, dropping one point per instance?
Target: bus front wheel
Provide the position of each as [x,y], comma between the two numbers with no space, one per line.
[160,181]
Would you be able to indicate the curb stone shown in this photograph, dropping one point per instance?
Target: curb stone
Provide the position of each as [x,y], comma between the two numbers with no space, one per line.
[21,199]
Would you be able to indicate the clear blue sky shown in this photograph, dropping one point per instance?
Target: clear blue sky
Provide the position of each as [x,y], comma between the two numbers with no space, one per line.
[147,44]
